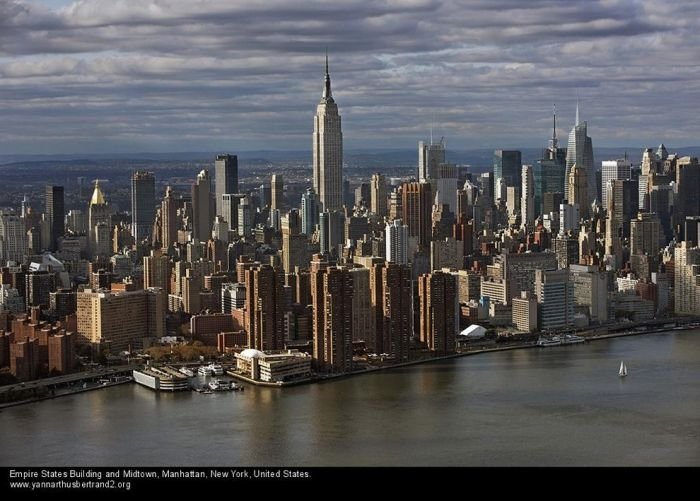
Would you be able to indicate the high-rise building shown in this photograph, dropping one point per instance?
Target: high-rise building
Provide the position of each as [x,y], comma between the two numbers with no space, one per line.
[362,324]
[446,186]
[614,169]
[518,270]
[294,244]
[527,193]
[687,192]
[61,353]
[264,307]
[120,320]
[328,150]
[396,237]
[524,314]
[548,173]
[10,300]
[277,192]
[55,213]
[430,156]
[645,234]
[331,230]
[569,217]
[437,294]
[309,212]
[555,298]
[507,165]
[661,200]
[391,297]
[692,230]
[590,291]
[332,298]
[202,216]
[229,208]
[169,219]
[580,152]
[13,238]
[38,286]
[98,214]
[578,189]
[156,271]
[63,302]
[566,247]
[226,173]
[245,217]
[232,296]
[378,196]
[417,203]
[143,204]
[623,196]
[687,279]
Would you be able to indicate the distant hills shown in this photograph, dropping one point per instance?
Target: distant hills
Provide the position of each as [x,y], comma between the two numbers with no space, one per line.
[479,159]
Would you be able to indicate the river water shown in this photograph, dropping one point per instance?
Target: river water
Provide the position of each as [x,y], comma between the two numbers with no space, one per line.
[546,406]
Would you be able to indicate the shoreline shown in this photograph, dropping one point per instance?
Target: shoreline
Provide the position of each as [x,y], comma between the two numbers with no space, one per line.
[653,329]
[334,377]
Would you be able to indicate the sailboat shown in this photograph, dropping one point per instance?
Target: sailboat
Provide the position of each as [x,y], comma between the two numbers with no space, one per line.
[623,369]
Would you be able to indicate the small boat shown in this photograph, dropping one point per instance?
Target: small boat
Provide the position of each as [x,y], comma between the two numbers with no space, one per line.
[549,341]
[216,370]
[623,369]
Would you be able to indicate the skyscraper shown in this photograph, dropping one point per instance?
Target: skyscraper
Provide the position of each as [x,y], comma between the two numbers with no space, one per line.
[331,230]
[332,298]
[309,212]
[548,173]
[328,150]
[378,198]
[687,192]
[391,298]
[430,156]
[555,299]
[527,201]
[13,238]
[277,192]
[507,165]
[578,189]
[437,293]
[580,152]
[98,215]
[169,224]
[226,167]
[614,169]
[201,207]
[143,202]
[416,204]
[687,279]
[156,271]
[396,237]
[55,213]
[264,307]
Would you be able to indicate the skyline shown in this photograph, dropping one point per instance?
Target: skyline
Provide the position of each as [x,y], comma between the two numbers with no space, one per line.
[104,77]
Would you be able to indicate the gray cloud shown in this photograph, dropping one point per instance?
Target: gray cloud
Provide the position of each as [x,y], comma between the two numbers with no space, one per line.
[115,75]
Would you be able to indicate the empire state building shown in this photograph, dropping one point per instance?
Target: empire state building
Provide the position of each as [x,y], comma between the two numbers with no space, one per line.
[328,150]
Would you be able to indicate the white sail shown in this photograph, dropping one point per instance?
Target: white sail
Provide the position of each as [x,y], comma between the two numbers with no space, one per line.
[623,368]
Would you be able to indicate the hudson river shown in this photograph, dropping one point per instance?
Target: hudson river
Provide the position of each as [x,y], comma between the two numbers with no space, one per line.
[546,406]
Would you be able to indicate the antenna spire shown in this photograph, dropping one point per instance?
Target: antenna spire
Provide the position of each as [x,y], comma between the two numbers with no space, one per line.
[577,117]
[327,95]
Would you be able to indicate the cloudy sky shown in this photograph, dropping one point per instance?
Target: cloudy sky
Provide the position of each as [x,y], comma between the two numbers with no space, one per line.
[204,75]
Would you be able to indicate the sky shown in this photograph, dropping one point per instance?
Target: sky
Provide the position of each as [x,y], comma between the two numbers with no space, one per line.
[103,76]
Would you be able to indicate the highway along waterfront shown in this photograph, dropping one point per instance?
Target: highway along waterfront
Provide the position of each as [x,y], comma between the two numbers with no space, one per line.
[563,405]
